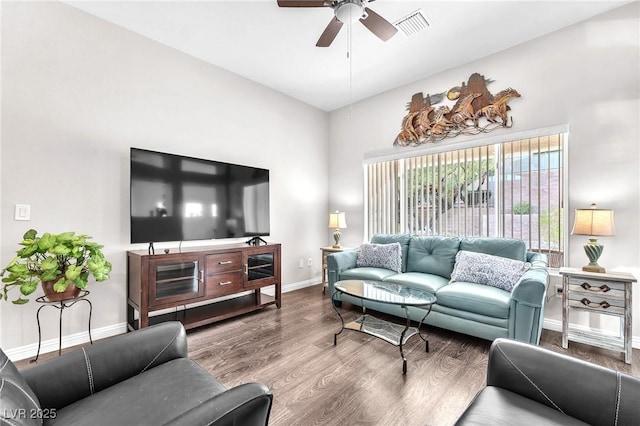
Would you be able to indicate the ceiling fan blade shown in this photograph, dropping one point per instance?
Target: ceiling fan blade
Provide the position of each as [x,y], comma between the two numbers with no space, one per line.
[382,28]
[329,33]
[303,3]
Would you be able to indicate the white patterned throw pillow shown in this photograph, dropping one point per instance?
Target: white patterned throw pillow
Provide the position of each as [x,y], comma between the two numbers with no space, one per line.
[387,256]
[481,268]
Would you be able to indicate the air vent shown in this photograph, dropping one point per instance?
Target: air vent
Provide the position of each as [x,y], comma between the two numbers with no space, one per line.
[413,23]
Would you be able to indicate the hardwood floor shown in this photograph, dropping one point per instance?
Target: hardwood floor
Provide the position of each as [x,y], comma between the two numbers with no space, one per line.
[359,381]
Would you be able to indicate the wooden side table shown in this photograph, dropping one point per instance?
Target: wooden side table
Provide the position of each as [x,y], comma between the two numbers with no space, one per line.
[600,293]
[325,251]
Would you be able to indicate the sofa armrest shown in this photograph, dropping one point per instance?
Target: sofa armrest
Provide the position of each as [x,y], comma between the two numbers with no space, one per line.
[61,381]
[338,262]
[248,404]
[527,301]
[532,286]
[537,260]
[585,391]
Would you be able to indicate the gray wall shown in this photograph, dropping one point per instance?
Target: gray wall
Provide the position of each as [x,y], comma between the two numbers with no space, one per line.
[585,77]
[78,92]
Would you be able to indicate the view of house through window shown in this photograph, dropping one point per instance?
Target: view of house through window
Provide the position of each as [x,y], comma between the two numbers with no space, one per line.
[511,189]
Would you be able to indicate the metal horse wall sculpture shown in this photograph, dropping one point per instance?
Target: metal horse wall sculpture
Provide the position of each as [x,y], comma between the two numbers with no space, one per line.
[425,123]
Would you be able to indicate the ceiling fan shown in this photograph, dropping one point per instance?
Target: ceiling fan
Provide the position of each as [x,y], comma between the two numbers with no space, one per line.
[346,11]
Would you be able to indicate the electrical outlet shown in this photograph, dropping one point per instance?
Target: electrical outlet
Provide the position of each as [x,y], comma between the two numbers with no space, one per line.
[558,289]
[301,264]
[309,262]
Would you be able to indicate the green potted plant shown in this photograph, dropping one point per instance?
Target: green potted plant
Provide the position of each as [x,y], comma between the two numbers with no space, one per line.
[61,262]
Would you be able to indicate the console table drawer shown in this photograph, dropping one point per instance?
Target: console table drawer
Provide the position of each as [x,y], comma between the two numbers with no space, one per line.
[226,262]
[223,284]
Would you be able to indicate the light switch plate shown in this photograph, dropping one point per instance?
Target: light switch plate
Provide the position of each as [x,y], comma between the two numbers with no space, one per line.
[22,212]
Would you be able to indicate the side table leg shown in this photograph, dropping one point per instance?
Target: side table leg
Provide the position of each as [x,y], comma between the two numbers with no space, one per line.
[627,321]
[565,313]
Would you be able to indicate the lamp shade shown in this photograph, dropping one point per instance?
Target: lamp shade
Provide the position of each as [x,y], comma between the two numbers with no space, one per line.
[594,222]
[337,220]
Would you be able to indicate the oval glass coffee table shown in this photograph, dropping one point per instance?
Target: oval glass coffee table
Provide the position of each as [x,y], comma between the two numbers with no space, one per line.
[388,293]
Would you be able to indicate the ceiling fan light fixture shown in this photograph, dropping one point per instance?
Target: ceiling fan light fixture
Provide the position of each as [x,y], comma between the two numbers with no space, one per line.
[350,11]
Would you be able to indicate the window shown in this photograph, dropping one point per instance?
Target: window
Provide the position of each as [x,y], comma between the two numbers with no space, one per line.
[511,189]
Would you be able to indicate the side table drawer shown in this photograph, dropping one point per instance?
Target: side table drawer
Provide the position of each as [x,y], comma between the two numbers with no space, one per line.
[597,288]
[596,303]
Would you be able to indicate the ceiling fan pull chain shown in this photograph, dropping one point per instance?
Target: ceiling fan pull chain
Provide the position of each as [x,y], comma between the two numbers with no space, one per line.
[350,58]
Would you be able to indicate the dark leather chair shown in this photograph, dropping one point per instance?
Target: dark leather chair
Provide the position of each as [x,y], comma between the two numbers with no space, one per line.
[139,378]
[530,385]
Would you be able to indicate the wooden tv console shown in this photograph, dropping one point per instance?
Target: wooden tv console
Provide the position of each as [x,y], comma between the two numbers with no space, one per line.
[176,281]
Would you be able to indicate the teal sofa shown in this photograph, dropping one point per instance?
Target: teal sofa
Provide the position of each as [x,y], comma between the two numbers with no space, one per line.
[480,310]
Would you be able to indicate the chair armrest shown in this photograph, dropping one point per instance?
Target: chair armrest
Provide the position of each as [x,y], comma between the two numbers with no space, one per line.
[585,391]
[61,381]
[338,262]
[248,404]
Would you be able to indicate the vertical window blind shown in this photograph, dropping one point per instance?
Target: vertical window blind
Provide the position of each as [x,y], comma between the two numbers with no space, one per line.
[511,189]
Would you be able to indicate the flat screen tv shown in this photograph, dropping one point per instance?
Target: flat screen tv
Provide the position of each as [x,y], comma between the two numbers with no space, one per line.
[179,198]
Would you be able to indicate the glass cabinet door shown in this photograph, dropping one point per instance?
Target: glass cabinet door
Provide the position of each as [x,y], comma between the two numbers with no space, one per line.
[260,269]
[175,280]
[260,266]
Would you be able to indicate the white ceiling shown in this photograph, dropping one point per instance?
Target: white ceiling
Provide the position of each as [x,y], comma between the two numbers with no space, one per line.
[276,46]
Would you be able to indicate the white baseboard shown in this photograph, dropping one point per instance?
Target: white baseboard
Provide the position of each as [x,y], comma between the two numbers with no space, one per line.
[51,345]
[301,284]
[556,325]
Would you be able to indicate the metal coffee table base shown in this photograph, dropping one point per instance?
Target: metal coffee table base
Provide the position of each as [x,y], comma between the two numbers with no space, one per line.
[395,334]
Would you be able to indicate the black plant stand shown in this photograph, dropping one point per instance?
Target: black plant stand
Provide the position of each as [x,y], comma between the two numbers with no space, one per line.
[61,305]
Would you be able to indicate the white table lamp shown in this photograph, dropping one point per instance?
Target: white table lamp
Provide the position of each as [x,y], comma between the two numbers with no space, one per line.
[593,222]
[337,221]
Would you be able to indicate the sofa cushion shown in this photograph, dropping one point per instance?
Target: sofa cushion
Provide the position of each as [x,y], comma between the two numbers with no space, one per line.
[481,268]
[427,282]
[375,274]
[20,406]
[478,298]
[403,239]
[387,256]
[504,247]
[153,397]
[432,255]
